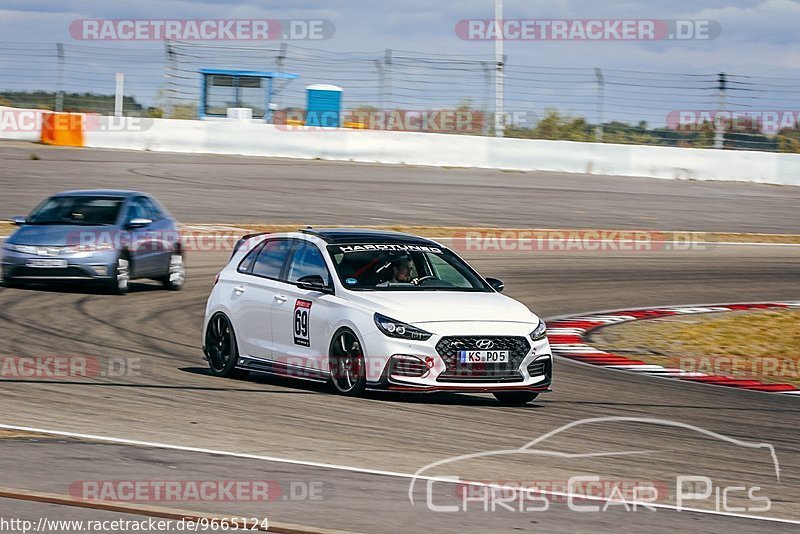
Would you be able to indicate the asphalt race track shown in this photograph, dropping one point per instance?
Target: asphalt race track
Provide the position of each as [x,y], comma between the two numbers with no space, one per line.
[213,188]
[167,397]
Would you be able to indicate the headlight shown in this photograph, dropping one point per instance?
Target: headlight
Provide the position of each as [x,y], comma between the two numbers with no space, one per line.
[540,332]
[401,330]
[24,249]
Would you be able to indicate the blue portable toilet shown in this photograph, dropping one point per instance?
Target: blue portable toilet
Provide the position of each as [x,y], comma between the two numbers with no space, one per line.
[324,105]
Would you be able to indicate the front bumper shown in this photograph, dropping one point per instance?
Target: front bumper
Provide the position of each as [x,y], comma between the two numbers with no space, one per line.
[530,371]
[79,266]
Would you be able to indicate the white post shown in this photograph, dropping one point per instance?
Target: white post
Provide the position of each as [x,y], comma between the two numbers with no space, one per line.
[499,125]
[719,126]
[118,94]
[598,130]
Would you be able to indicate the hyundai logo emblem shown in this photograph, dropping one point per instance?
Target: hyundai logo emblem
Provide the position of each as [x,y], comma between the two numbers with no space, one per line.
[484,344]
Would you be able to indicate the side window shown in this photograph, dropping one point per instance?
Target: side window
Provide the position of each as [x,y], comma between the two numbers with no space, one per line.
[308,261]
[136,210]
[246,264]
[271,258]
[152,210]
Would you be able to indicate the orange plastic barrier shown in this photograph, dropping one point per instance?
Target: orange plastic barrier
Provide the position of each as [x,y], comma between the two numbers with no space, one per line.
[65,129]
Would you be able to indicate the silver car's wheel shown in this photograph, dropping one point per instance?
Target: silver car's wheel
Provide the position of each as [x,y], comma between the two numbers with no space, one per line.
[177,272]
[346,361]
[121,280]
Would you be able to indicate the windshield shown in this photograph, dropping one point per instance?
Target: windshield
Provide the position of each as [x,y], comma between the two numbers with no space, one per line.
[401,267]
[86,210]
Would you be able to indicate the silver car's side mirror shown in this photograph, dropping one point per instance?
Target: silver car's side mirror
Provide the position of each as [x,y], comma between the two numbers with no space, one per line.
[139,222]
[19,220]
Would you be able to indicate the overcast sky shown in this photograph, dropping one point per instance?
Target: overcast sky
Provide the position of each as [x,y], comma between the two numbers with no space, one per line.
[758,38]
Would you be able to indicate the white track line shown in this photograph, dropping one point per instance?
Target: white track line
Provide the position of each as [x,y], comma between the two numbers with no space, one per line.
[379,472]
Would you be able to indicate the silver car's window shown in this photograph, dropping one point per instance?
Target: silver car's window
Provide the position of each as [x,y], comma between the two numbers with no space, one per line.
[136,210]
[153,213]
[83,210]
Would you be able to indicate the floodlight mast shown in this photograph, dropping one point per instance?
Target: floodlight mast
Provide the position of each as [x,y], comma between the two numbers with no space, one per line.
[499,74]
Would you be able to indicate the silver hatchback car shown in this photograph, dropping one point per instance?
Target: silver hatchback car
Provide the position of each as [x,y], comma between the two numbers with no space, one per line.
[108,236]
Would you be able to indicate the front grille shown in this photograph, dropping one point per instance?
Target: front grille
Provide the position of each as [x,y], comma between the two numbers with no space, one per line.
[408,366]
[539,367]
[448,348]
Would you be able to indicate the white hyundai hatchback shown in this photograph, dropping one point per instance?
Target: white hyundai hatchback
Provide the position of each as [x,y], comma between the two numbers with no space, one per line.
[372,309]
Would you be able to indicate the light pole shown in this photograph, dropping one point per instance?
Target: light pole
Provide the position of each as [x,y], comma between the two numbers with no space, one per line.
[499,74]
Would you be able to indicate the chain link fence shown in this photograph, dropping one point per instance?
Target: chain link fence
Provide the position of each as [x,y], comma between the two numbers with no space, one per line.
[580,104]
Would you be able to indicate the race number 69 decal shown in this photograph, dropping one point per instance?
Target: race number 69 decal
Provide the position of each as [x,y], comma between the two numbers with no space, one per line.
[302,309]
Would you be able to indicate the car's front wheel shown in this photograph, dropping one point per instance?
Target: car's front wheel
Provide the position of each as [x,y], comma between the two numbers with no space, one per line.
[120,281]
[221,349]
[176,276]
[346,361]
[515,398]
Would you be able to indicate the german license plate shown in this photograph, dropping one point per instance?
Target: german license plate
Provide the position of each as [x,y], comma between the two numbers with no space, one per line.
[47,263]
[483,356]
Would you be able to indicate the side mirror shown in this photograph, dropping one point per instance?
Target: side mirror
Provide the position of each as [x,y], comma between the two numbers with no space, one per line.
[313,282]
[139,222]
[19,220]
[496,284]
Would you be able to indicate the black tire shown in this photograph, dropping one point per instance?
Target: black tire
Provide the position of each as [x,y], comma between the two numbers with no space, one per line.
[176,276]
[120,281]
[346,364]
[515,398]
[221,349]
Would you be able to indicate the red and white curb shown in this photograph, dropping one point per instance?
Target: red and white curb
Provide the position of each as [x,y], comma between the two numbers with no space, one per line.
[567,337]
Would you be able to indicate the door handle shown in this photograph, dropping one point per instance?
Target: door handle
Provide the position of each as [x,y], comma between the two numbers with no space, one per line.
[280,298]
[238,290]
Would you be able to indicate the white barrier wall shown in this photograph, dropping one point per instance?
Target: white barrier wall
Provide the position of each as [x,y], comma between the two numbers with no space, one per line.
[20,124]
[256,139]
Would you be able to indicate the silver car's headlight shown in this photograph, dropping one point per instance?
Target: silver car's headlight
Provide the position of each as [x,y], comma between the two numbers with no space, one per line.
[399,329]
[540,332]
[24,249]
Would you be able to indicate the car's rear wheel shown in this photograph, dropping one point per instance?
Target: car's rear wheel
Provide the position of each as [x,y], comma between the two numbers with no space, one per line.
[177,272]
[120,281]
[221,348]
[346,361]
[515,398]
